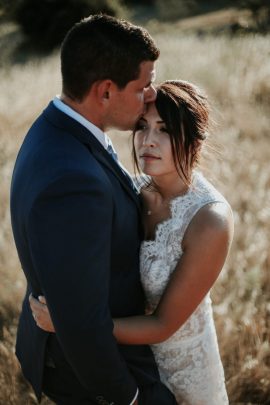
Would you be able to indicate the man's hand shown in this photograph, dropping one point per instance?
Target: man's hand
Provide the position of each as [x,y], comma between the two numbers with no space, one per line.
[41,313]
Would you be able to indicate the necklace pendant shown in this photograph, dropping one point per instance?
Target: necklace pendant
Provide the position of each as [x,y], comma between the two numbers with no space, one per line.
[149,212]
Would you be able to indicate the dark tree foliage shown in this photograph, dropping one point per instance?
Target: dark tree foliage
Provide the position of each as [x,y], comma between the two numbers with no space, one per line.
[6,5]
[260,10]
[253,5]
[45,22]
[141,2]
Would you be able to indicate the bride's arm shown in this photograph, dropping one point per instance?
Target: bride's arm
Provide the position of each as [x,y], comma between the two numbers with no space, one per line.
[206,244]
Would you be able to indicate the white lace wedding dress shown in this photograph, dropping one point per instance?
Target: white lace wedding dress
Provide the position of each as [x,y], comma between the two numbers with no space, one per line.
[189,361]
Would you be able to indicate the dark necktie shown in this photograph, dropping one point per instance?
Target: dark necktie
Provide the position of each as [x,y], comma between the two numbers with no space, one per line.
[112,152]
[110,149]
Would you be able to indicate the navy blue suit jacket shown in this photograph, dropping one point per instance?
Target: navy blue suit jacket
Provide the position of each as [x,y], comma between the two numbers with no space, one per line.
[76,224]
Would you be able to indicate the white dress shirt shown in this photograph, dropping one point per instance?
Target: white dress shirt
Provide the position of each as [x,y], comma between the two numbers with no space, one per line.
[98,134]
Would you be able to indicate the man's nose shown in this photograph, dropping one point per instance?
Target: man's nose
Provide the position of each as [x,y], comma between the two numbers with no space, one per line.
[150,94]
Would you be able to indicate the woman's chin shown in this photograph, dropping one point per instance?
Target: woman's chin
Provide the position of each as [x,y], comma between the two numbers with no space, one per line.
[149,172]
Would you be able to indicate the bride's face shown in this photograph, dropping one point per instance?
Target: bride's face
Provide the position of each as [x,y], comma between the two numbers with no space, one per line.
[153,145]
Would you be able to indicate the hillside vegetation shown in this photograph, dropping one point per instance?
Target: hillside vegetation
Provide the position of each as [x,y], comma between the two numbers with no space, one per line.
[235,72]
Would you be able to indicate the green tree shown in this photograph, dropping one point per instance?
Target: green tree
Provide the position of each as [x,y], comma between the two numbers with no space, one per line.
[45,22]
[260,10]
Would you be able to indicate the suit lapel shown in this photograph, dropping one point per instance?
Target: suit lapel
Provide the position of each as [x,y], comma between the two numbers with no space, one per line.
[62,120]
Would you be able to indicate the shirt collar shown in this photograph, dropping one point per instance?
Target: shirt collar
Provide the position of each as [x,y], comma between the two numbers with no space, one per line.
[97,132]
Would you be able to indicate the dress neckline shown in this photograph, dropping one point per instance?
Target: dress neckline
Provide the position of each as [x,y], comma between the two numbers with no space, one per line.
[171,204]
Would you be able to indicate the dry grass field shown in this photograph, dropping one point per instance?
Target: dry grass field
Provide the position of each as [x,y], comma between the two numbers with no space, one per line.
[235,72]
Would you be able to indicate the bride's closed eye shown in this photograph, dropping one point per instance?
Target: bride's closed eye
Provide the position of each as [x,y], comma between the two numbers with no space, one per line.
[141,125]
[164,129]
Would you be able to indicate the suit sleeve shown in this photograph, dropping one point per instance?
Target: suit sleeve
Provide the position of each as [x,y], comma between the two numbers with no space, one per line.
[70,231]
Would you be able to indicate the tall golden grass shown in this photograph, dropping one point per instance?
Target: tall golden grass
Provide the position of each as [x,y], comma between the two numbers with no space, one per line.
[235,72]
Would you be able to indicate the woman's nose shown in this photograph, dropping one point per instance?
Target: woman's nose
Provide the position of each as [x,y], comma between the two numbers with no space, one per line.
[149,139]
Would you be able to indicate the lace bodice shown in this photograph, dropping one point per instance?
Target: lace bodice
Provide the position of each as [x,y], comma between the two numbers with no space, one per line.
[189,360]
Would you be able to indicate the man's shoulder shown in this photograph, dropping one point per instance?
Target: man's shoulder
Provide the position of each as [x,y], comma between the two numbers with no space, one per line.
[48,154]
[56,145]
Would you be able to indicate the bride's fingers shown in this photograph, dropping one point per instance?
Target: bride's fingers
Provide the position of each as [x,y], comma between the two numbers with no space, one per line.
[41,313]
[34,304]
[37,307]
[42,299]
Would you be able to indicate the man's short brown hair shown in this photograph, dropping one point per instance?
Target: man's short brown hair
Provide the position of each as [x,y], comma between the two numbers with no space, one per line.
[103,47]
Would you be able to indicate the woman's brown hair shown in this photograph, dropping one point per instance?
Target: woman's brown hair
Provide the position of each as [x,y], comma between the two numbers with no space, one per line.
[185,111]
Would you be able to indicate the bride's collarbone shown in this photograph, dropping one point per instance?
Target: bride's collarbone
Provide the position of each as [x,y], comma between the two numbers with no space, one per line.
[152,219]
[155,212]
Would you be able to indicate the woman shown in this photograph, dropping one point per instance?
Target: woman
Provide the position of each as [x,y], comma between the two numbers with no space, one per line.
[188,232]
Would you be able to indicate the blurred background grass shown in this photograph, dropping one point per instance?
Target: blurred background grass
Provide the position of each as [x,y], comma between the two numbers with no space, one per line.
[222,48]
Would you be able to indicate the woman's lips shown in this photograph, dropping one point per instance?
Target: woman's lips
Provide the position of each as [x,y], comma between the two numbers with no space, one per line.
[148,157]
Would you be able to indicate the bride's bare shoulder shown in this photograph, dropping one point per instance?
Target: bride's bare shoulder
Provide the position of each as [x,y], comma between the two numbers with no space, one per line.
[214,219]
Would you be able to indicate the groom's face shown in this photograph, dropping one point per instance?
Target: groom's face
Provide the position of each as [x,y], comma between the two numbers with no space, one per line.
[128,104]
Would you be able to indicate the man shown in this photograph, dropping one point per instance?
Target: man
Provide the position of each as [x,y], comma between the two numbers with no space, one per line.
[75,218]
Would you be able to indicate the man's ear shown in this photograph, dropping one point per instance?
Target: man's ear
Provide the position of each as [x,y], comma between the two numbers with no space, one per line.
[104,90]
